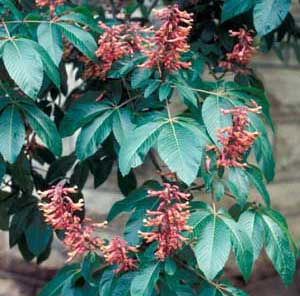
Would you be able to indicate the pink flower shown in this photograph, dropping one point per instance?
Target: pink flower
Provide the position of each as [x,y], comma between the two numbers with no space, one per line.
[118,41]
[170,40]
[242,52]
[59,211]
[169,221]
[51,3]
[236,139]
[117,253]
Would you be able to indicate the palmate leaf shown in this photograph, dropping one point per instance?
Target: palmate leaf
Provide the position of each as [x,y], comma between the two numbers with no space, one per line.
[12,134]
[24,65]
[80,113]
[242,246]
[262,147]
[239,178]
[122,124]
[49,37]
[213,117]
[44,127]
[252,224]
[80,38]
[256,178]
[139,142]
[54,287]
[213,246]
[181,150]
[144,282]
[278,250]
[93,134]
[269,14]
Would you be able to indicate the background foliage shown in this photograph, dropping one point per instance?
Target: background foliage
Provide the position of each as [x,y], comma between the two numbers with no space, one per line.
[130,123]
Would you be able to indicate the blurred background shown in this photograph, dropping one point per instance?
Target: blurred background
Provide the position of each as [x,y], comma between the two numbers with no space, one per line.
[282,81]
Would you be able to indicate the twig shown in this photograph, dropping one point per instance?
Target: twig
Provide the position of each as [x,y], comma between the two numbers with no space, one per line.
[152,6]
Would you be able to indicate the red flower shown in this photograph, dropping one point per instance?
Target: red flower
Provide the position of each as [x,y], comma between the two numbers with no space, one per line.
[236,139]
[118,41]
[117,253]
[242,52]
[170,41]
[59,211]
[169,221]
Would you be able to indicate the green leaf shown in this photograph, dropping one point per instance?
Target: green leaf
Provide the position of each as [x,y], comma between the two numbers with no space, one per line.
[278,250]
[13,9]
[106,281]
[127,183]
[144,282]
[218,190]
[131,201]
[262,147]
[181,150]
[38,235]
[49,37]
[170,266]
[12,134]
[80,38]
[151,88]
[269,14]
[93,134]
[49,65]
[2,170]
[256,179]
[233,8]
[82,19]
[81,113]
[252,224]
[187,94]
[53,288]
[242,246]
[24,66]
[44,127]
[213,117]
[90,264]
[122,124]
[213,246]
[239,178]
[138,142]
[196,221]
[165,91]
[122,287]
[140,77]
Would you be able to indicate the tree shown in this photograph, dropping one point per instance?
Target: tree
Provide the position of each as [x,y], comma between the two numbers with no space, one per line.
[173,242]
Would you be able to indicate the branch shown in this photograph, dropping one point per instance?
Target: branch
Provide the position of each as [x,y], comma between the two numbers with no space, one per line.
[113,8]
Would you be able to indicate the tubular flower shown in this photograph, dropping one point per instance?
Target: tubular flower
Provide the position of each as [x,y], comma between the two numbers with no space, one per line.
[51,3]
[79,237]
[59,211]
[170,41]
[236,140]
[169,220]
[117,253]
[242,52]
[118,41]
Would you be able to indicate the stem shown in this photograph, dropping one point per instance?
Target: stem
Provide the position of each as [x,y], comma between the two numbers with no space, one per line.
[152,6]
[6,30]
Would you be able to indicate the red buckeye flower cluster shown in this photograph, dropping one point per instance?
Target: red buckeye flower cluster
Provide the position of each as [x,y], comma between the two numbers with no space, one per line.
[169,221]
[236,139]
[118,41]
[242,52]
[59,211]
[51,3]
[170,41]
[117,253]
